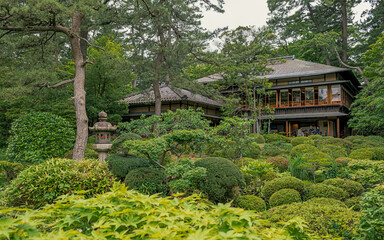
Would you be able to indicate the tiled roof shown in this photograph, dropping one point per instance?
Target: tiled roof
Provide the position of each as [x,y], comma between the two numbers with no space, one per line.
[169,94]
[288,68]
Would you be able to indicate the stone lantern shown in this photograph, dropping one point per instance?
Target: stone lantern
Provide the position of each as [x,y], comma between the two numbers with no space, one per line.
[103,131]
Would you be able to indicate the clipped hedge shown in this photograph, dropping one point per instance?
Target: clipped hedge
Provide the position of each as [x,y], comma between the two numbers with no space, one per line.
[354,203]
[284,196]
[301,140]
[274,137]
[146,180]
[252,151]
[361,154]
[39,136]
[334,151]
[326,191]
[324,220]
[366,172]
[120,166]
[276,149]
[117,144]
[327,201]
[353,188]
[280,163]
[378,153]
[42,184]
[282,183]
[257,138]
[302,149]
[251,202]
[223,180]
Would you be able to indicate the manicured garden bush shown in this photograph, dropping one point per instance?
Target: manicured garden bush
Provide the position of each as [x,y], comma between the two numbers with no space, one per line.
[121,165]
[117,144]
[366,172]
[326,191]
[282,183]
[269,138]
[39,136]
[296,169]
[122,214]
[315,137]
[354,203]
[302,149]
[257,138]
[43,183]
[372,214]
[327,201]
[301,140]
[146,180]
[252,151]
[334,141]
[9,171]
[334,151]
[284,196]
[223,180]
[324,220]
[361,154]
[378,153]
[353,188]
[280,163]
[276,149]
[251,202]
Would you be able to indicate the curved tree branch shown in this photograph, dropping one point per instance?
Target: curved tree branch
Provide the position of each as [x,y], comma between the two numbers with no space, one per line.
[351,67]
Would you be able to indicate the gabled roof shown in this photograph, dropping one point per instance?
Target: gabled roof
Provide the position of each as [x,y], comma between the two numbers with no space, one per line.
[289,68]
[169,94]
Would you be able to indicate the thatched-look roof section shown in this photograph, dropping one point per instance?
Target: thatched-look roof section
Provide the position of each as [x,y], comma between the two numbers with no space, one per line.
[169,94]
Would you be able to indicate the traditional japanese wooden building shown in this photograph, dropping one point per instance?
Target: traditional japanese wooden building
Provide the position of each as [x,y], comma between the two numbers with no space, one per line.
[306,93]
[172,98]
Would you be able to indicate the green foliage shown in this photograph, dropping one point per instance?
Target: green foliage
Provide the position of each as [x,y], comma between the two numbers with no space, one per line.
[327,191]
[117,144]
[284,196]
[314,161]
[282,183]
[184,177]
[353,188]
[324,220]
[296,169]
[366,172]
[9,171]
[39,136]
[256,169]
[251,202]
[180,141]
[378,153]
[276,148]
[333,141]
[257,138]
[121,165]
[354,203]
[334,151]
[302,149]
[143,126]
[269,138]
[301,140]
[280,163]
[252,151]
[328,201]
[361,154]
[43,183]
[146,180]
[154,149]
[372,214]
[122,214]
[223,181]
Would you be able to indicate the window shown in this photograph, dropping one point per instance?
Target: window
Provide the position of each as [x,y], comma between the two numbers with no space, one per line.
[309,96]
[294,82]
[272,99]
[284,98]
[307,81]
[296,96]
[336,93]
[323,95]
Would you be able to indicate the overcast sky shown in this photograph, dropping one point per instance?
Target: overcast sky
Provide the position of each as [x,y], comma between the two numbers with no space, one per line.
[245,13]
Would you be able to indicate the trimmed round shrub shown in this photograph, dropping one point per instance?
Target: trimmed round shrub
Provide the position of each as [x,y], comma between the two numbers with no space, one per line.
[282,183]
[257,138]
[327,201]
[117,144]
[334,151]
[252,151]
[354,203]
[43,183]
[315,137]
[326,191]
[302,149]
[245,162]
[280,163]
[39,136]
[276,149]
[223,181]
[146,180]
[323,220]
[274,137]
[361,154]
[372,214]
[333,141]
[251,202]
[378,153]
[284,196]
[120,166]
[301,140]
[353,188]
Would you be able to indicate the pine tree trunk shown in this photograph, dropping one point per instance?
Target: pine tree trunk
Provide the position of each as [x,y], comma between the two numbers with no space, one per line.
[344,35]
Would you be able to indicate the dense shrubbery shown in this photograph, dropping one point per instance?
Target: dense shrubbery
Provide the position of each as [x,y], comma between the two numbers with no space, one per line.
[252,151]
[282,183]
[325,191]
[39,136]
[257,138]
[121,165]
[353,188]
[334,151]
[324,220]
[284,196]
[327,201]
[276,148]
[146,180]
[302,149]
[42,184]
[251,202]
[301,140]
[354,203]
[362,153]
[117,144]
[275,138]
[365,172]
[280,163]
[372,214]
[223,181]
[9,171]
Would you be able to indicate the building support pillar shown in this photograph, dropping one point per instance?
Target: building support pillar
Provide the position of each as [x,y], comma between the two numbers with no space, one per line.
[290,129]
[329,128]
[338,127]
[286,128]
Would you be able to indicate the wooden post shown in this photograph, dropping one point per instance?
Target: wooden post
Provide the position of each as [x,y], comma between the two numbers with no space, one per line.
[338,127]
[290,129]
[286,128]
[328,128]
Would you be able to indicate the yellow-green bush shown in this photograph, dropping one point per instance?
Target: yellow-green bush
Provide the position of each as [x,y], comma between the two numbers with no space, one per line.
[372,214]
[327,201]
[274,137]
[354,203]
[146,180]
[353,188]
[302,149]
[301,140]
[43,183]
[282,183]
[251,202]
[326,191]
[284,196]
[361,154]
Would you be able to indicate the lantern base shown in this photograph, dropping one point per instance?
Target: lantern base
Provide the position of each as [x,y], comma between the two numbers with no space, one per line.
[102,149]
